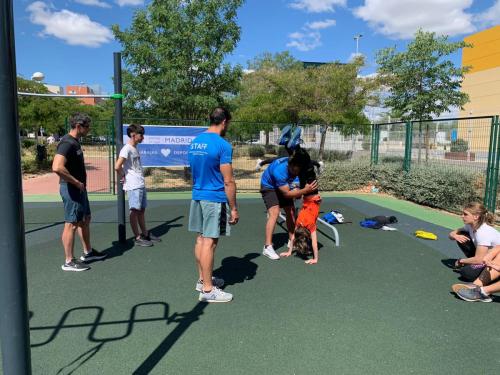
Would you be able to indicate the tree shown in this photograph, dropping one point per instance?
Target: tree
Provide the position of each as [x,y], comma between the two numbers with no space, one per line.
[422,81]
[50,113]
[174,52]
[282,90]
[262,98]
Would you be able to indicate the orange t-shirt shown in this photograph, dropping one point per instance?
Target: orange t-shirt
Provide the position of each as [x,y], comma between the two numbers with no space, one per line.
[309,213]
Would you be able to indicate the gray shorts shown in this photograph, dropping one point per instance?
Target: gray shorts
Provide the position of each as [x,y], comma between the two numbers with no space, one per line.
[76,203]
[210,219]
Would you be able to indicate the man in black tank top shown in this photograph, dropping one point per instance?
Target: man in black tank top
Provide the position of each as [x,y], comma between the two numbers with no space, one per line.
[69,165]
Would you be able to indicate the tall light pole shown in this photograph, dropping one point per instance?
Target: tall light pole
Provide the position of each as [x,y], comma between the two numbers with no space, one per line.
[357,37]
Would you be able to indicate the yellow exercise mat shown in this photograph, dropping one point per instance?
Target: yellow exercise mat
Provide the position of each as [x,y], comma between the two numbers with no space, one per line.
[425,235]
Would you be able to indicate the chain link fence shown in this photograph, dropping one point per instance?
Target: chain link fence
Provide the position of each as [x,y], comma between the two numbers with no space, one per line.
[465,145]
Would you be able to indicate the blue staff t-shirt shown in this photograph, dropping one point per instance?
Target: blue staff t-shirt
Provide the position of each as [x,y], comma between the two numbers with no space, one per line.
[277,175]
[207,153]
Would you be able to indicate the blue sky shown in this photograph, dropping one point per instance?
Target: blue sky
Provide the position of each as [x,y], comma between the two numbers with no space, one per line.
[70,40]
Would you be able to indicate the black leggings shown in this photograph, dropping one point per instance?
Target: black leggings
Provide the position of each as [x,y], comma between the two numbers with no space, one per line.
[469,272]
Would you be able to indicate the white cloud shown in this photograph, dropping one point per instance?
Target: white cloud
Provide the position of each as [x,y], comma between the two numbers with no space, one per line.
[74,28]
[317,6]
[94,3]
[400,19]
[319,25]
[309,38]
[491,16]
[124,3]
[305,41]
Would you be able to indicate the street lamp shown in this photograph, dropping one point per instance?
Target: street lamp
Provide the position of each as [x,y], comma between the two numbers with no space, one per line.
[357,38]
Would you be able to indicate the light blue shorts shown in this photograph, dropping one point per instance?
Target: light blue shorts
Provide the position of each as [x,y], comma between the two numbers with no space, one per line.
[210,219]
[137,199]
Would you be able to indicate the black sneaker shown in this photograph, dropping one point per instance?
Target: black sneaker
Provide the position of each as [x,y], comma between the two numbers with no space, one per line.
[92,255]
[143,241]
[74,265]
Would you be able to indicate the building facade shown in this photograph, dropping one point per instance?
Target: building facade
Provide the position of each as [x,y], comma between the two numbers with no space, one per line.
[83,90]
[482,84]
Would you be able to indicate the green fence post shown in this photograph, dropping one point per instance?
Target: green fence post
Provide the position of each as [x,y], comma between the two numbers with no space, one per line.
[408,146]
[489,168]
[494,176]
[375,142]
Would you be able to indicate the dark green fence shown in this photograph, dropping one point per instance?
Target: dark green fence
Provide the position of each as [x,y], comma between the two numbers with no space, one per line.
[464,145]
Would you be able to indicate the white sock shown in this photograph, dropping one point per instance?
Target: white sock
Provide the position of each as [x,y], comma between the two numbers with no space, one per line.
[483,292]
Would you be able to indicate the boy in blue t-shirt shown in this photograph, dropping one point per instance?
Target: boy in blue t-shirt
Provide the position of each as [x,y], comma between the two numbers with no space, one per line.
[213,204]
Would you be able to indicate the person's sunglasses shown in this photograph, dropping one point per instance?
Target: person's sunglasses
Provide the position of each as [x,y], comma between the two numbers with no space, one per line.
[85,125]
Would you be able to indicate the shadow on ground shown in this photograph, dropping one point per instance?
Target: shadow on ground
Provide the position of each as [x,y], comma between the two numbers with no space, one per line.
[233,269]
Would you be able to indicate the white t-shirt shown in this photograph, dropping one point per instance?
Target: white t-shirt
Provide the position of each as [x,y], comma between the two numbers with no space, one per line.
[134,175]
[485,235]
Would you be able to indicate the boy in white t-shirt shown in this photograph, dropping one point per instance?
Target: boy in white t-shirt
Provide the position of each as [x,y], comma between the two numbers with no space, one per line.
[130,173]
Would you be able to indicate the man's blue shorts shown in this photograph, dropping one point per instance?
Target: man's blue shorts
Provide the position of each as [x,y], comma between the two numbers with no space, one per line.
[137,199]
[76,203]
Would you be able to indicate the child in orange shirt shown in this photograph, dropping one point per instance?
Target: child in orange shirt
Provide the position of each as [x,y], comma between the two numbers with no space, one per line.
[305,237]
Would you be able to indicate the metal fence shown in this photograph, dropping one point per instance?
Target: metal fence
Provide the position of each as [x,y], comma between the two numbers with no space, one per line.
[457,144]
[98,148]
[470,144]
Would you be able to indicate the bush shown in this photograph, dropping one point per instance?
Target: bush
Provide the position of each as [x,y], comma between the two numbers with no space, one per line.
[256,151]
[436,186]
[330,155]
[460,145]
[27,143]
[392,159]
[345,175]
[445,187]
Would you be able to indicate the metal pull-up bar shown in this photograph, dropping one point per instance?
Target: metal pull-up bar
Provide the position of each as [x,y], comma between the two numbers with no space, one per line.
[112,96]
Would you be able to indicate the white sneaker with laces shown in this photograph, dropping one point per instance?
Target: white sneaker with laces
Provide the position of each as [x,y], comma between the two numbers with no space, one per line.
[216,281]
[215,295]
[269,252]
[257,165]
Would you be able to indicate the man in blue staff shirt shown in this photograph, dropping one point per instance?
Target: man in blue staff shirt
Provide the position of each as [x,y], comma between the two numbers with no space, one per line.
[276,193]
[213,204]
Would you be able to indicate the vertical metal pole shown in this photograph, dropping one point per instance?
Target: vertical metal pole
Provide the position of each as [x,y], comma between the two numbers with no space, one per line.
[372,148]
[407,159]
[14,328]
[111,163]
[491,158]
[494,180]
[120,196]
[377,142]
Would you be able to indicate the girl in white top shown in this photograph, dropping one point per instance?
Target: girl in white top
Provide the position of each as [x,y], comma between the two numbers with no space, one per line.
[476,238]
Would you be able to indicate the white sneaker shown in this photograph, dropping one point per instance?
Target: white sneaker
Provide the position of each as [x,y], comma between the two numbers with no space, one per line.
[257,165]
[269,252]
[219,283]
[215,295]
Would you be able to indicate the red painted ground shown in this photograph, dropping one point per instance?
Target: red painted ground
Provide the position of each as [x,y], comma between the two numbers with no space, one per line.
[97,179]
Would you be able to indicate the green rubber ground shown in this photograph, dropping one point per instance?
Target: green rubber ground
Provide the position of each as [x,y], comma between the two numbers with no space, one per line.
[379,304]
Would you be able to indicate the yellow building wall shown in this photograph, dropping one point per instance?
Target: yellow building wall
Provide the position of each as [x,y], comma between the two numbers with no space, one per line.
[482,84]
